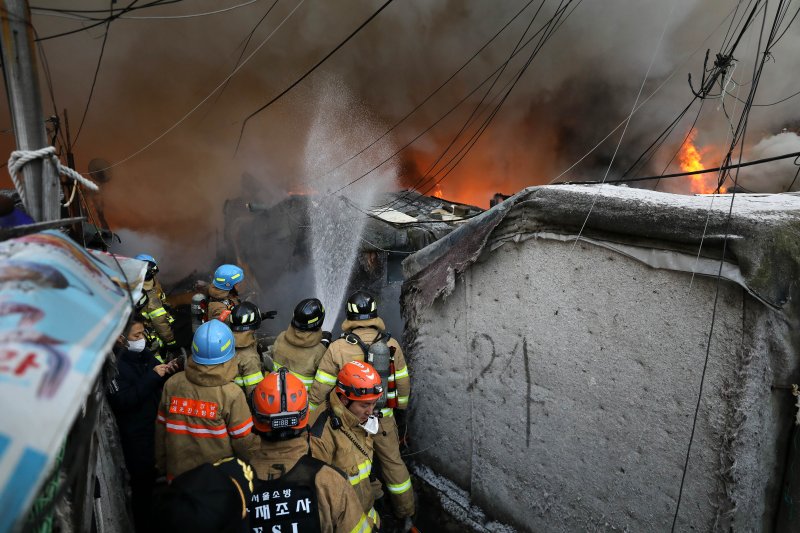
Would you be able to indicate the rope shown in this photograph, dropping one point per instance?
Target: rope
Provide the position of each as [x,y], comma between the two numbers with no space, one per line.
[19,158]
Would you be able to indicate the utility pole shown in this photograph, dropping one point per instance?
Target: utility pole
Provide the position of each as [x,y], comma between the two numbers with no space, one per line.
[20,72]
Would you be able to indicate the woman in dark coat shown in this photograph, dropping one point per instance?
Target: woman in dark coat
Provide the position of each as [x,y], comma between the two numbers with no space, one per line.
[134,395]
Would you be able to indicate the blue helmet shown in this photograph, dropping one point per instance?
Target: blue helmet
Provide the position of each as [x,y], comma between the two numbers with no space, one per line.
[213,344]
[226,276]
[148,258]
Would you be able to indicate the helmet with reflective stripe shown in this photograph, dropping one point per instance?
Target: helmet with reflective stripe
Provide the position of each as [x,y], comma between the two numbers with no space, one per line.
[308,315]
[361,306]
[152,266]
[142,302]
[213,344]
[280,403]
[359,381]
[226,276]
[245,317]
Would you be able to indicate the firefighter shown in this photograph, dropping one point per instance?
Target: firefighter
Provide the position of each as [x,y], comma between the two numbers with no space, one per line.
[343,432]
[245,319]
[222,293]
[203,415]
[155,310]
[285,469]
[300,347]
[361,329]
[152,341]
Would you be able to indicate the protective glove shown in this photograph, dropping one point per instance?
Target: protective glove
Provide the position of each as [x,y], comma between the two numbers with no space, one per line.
[268,315]
[326,338]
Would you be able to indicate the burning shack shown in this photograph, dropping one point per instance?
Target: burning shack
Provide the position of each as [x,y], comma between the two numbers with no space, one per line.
[560,341]
[273,245]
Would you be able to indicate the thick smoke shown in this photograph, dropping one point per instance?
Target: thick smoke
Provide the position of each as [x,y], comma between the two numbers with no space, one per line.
[579,87]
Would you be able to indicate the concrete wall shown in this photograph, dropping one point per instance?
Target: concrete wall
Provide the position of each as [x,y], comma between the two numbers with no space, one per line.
[558,386]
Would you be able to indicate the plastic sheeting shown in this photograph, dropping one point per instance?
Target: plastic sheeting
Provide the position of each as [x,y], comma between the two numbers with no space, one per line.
[61,308]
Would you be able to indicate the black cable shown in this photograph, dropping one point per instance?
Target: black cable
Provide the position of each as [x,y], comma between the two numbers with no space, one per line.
[108,19]
[94,78]
[551,26]
[741,127]
[244,49]
[430,95]
[308,72]
[442,117]
[692,173]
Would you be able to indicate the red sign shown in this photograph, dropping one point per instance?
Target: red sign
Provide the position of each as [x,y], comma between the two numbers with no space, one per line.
[188,407]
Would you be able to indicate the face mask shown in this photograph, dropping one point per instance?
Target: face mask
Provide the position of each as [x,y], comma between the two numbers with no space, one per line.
[137,346]
[371,425]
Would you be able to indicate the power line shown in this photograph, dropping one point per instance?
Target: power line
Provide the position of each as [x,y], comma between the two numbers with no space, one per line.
[692,173]
[94,78]
[108,19]
[442,117]
[308,72]
[429,96]
[204,100]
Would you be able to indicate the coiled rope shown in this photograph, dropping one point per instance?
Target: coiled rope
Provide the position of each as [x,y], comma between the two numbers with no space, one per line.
[19,158]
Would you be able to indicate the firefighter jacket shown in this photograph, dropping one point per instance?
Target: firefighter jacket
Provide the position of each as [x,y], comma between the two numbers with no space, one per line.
[156,314]
[341,352]
[300,352]
[349,448]
[203,417]
[219,301]
[248,361]
[338,506]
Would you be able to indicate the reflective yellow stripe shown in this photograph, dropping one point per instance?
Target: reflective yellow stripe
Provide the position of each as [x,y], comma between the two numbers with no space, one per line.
[363,473]
[312,405]
[400,488]
[250,379]
[171,343]
[387,412]
[225,346]
[375,517]
[362,526]
[159,359]
[325,378]
[402,373]
[402,400]
[158,312]
[391,394]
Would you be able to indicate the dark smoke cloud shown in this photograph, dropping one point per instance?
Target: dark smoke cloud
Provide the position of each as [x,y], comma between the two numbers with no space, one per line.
[582,84]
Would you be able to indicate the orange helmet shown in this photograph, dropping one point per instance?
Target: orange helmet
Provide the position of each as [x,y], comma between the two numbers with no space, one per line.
[280,402]
[359,381]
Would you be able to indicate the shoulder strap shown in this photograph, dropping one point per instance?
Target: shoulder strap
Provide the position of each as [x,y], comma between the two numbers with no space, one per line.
[319,425]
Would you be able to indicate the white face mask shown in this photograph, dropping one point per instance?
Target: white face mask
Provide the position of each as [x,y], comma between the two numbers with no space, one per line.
[371,426]
[137,346]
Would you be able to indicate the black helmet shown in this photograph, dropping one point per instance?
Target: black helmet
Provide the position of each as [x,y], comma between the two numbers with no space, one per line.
[308,315]
[245,317]
[361,306]
[141,302]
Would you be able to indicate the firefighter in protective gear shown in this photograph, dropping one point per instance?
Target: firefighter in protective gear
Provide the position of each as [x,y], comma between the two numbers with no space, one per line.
[343,431]
[284,467]
[203,415]
[222,293]
[152,340]
[300,347]
[245,319]
[362,328]
[155,311]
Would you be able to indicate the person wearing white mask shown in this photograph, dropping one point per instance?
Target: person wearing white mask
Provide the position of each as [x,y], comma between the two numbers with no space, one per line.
[134,394]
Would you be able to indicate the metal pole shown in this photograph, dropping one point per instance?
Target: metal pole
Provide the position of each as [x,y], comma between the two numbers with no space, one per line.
[22,86]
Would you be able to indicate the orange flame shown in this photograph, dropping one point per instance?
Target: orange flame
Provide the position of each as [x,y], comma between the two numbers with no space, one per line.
[437,192]
[690,160]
